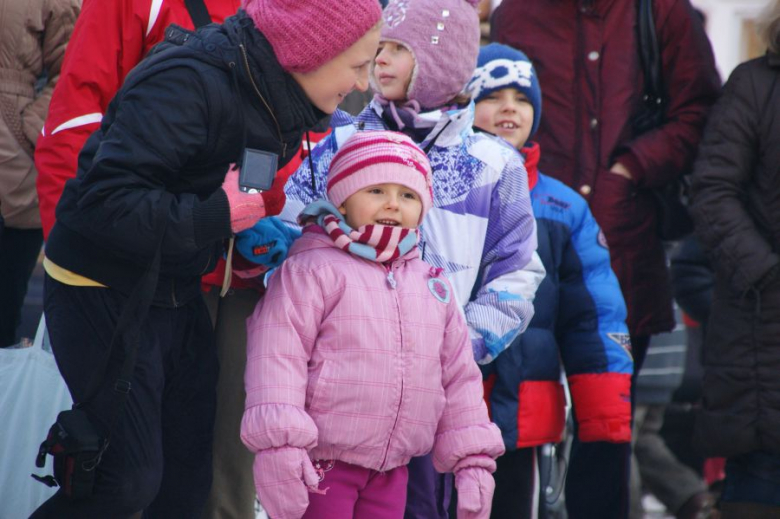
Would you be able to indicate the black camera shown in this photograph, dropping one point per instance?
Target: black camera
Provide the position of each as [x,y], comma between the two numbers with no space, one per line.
[258,170]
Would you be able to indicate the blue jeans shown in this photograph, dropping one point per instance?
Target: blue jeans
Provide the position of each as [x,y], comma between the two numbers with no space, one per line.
[753,477]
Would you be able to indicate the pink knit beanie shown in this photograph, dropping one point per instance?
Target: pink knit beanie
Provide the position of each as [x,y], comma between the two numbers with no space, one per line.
[306,34]
[380,157]
[443,36]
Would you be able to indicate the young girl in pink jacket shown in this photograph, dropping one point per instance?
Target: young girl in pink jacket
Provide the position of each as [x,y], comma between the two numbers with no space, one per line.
[359,357]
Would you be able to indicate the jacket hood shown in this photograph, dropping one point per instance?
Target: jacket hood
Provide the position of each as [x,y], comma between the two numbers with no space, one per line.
[448,127]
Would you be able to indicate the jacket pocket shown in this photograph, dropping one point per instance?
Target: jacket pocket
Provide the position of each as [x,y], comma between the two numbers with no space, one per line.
[615,204]
[12,117]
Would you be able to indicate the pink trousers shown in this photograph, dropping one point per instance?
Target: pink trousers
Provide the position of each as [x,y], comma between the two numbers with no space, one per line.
[357,492]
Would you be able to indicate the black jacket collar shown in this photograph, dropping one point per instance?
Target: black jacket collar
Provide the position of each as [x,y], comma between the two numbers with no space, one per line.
[290,105]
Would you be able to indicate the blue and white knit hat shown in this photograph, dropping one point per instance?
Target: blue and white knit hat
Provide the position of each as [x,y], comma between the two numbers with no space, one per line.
[500,66]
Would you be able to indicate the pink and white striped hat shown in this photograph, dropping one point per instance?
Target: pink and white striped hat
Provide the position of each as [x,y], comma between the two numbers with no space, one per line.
[380,157]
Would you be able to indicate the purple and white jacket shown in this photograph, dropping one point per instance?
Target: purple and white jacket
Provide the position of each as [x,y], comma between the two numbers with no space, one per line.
[481,230]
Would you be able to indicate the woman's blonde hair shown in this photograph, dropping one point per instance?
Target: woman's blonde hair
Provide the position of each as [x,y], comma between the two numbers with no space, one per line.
[769,26]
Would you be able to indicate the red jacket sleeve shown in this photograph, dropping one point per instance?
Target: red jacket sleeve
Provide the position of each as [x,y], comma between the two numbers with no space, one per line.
[107,41]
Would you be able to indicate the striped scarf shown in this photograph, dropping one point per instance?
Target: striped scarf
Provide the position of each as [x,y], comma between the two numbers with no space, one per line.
[380,243]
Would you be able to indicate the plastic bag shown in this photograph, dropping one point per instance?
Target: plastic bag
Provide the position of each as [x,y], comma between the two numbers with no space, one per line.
[32,393]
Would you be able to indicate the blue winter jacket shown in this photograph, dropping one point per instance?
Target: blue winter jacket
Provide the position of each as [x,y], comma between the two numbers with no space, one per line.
[579,318]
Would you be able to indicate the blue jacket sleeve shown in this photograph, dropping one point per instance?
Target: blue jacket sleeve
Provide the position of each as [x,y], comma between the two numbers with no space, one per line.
[592,334]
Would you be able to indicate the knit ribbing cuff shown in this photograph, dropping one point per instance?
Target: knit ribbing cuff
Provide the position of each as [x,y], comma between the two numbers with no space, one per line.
[211,219]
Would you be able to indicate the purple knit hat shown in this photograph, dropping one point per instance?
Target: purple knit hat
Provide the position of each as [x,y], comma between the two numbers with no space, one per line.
[380,157]
[306,34]
[443,36]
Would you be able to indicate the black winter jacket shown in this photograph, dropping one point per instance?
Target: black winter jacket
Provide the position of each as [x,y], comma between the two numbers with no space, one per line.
[736,207]
[692,279]
[182,116]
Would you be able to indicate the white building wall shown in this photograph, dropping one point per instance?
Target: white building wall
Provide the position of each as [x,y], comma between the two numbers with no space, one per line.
[726,29]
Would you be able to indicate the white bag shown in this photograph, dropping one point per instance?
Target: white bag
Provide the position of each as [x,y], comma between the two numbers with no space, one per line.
[32,393]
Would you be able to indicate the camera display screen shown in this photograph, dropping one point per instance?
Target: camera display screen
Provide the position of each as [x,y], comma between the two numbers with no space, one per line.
[258,170]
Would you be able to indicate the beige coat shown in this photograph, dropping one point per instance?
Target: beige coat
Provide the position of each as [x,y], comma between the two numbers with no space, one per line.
[33,36]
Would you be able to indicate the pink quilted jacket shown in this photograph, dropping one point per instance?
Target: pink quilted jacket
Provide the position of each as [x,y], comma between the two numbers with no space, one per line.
[356,365]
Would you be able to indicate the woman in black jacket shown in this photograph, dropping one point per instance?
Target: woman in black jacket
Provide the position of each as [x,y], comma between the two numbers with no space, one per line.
[153,178]
[736,206]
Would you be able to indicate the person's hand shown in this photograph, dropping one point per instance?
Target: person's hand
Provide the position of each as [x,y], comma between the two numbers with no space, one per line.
[245,209]
[282,476]
[266,243]
[619,169]
[475,492]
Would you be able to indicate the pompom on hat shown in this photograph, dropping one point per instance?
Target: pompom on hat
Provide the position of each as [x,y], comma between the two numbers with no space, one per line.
[295,28]
[500,66]
[380,157]
[443,36]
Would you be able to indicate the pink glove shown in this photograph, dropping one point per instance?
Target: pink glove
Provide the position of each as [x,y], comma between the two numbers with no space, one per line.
[475,492]
[281,478]
[245,269]
[245,209]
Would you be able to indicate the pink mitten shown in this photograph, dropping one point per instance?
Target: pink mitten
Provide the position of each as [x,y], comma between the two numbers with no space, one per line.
[251,273]
[245,209]
[475,492]
[281,478]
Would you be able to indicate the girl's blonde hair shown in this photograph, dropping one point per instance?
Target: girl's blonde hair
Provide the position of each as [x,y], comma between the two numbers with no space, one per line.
[461,99]
[769,26]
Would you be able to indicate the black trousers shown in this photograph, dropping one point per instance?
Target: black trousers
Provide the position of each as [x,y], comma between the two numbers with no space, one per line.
[159,458]
[517,487]
[19,249]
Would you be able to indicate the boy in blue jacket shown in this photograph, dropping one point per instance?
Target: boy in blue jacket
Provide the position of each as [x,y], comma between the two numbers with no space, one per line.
[579,313]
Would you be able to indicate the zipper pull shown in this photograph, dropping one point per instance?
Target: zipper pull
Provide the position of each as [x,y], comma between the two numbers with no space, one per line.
[391,280]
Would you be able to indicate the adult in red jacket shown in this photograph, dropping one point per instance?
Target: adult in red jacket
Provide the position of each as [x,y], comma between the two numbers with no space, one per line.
[592,81]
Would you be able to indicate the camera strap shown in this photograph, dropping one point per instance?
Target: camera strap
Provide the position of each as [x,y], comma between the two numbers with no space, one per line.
[128,328]
[198,12]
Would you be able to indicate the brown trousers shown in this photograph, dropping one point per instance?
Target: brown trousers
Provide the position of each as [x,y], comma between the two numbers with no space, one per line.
[233,489]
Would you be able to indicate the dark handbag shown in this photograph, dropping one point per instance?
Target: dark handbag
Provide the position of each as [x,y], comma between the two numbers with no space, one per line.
[77,448]
[671,200]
